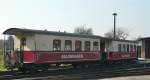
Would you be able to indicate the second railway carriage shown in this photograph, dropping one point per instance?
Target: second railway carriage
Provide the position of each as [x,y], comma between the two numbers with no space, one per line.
[35,49]
[121,50]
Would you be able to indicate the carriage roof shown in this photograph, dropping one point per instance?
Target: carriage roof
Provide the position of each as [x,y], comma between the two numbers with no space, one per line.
[120,40]
[19,31]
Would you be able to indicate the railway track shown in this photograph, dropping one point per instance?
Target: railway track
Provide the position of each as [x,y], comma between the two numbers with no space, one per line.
[85,73]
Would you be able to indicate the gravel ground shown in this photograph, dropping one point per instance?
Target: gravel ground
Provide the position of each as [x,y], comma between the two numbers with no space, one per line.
[83,74]
[61,77]
[141,77]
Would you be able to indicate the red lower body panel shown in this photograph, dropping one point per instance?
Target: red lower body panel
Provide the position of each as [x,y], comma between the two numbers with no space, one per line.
[54,57]
[29,57]
[121,55]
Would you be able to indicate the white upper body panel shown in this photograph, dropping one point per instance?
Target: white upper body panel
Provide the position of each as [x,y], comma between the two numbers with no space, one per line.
[45,42]
[41,42]
[114,45]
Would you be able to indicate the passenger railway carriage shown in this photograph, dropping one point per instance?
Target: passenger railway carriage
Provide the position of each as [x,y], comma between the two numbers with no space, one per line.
[118,50]
[36,49]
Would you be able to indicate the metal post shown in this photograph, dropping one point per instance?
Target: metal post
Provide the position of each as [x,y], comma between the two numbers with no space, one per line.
[4,49]
[114,14]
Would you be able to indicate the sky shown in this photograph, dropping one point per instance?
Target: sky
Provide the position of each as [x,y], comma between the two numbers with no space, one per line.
[65,15]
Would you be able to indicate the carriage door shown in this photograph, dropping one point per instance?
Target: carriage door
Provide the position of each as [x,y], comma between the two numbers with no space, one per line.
[102,46]
[22,44]
[102,50]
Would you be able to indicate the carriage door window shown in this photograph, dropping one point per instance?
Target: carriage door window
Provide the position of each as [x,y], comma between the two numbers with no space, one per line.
[127,47]
[68,45]
[56,45]
[119,47]
[95,46]
[87,45]
[23,41]
[78,46]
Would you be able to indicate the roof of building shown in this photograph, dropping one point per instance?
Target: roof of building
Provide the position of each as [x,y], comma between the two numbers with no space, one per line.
[127,40]
[144,38]
[19,31]
[120,40]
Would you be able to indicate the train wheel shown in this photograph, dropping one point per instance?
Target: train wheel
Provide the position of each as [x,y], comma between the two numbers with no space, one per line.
[85,66]
[77,66]
[22,69]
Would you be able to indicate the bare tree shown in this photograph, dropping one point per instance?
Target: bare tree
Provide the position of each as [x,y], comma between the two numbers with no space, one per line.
[138,37]
[121,33]
[83,30]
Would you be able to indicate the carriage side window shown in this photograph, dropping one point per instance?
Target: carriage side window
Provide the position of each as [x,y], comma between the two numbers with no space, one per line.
[124,48]
[95,46]
[87,45]
[135,48]
[127,47]
[68,45]
[23,41]
[119,47]
[78,46]
[131,48]
[56,45]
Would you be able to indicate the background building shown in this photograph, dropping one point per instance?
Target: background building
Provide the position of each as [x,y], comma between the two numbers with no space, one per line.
[144,50]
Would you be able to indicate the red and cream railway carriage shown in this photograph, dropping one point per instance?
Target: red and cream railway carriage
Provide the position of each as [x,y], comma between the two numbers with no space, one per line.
[40,48]
[121,50]
[36,49]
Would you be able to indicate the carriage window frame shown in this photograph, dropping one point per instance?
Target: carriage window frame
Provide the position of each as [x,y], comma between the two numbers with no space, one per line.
[68,42]
[95,46]
[87,46]
[123,48]
[119,47]
[57,47]
[135,48]
[80,46]
[128,49]
[131,48]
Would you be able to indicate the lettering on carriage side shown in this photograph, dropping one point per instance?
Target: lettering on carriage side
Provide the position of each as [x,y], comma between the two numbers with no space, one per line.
[125,56]
[71,56]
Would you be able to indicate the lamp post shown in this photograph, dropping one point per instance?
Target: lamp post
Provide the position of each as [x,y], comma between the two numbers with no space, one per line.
[114,14]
